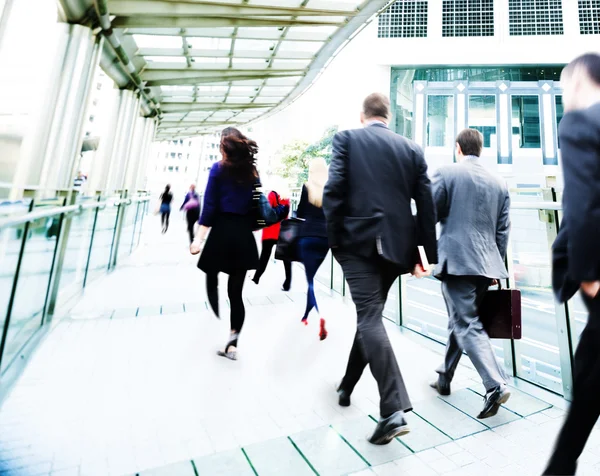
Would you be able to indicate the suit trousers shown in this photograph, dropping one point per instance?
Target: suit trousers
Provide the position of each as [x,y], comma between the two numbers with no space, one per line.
[463,296]
[584,410]
[370,280]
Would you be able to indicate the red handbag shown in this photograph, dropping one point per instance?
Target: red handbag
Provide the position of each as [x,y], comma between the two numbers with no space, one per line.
[500,313]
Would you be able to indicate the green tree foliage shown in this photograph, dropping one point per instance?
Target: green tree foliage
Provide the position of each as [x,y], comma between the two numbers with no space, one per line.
[297,155]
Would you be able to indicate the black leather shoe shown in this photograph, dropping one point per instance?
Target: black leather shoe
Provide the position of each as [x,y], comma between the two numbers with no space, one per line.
[389,428]
[344,397]
[493,400]
[441,385]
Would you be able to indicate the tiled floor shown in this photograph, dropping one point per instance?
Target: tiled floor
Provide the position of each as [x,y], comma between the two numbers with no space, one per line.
[129,383]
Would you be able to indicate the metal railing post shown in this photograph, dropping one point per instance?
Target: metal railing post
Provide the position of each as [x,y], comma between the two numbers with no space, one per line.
[118,229]
[58,260]
[137,212]
[564,326]
[51,294]
[89,256]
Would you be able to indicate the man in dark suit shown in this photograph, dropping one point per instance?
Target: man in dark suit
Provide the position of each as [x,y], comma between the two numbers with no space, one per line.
[473,207]
[576,251]
[373,176]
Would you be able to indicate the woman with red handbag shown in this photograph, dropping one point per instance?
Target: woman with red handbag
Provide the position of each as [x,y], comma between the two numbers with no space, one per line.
[270,235]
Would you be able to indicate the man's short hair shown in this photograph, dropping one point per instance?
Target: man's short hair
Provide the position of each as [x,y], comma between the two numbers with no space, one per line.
[470,141]
[590,63]
[376,105]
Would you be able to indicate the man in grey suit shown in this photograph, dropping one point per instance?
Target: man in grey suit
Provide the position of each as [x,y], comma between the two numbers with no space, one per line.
[473,209]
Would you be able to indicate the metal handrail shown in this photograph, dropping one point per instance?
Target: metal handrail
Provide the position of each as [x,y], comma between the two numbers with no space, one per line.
[57,211]
[554,206]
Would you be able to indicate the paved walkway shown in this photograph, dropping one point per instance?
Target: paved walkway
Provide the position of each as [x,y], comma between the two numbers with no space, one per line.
[129,383]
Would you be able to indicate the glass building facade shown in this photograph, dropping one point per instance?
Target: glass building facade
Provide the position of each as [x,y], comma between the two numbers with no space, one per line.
[517,109]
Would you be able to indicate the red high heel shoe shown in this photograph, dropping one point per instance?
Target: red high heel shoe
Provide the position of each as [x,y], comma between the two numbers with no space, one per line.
[322,330]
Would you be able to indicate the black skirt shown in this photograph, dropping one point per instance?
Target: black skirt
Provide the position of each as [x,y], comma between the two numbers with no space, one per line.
[230,246]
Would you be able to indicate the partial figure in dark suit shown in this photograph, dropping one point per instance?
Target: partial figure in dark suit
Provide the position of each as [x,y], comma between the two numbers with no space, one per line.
[473,208]
[576,251]
[373,176]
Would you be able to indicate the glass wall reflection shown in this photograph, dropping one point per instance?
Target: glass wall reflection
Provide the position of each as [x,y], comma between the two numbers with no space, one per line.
[482,116]
[525,122]
[440,121]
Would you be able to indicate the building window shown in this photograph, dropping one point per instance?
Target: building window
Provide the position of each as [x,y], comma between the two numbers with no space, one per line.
[589,17]
[404,19]
[526,122]
[179,156]
[535,17]
[482,116]
[188,157]
[440,121]
[177,169]
[166,155]
[468,18]
[170,168]
[91,118]
[189,143]
[99,86]
[172,155]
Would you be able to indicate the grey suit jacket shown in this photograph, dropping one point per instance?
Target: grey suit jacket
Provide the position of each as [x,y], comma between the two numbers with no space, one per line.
[473,209]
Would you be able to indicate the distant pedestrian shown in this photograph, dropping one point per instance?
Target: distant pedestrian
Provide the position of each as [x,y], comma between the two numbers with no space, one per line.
[165,208]
[191,205]
[313,245]
[576,251]
[228,213]
[269,241]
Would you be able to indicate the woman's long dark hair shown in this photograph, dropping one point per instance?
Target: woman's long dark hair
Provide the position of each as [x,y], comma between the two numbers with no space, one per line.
[239,155]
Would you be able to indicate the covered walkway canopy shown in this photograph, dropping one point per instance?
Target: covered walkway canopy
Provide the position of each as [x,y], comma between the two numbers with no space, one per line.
[201,64]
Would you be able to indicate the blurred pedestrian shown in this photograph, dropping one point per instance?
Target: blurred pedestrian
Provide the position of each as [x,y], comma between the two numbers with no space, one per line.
[576,251]
[191,205]
[313,245]
[373,176]
[269,241]
[228,213]
[473,206]
[165,208]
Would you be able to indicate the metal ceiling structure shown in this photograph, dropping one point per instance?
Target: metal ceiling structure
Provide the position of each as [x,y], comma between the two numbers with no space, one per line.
[203,64]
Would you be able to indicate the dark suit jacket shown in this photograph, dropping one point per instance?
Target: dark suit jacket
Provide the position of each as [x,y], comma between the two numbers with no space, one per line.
[373,176]
[576,251]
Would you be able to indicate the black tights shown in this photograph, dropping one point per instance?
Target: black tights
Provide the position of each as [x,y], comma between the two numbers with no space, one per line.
[235,286]
[265,256]
[164,219]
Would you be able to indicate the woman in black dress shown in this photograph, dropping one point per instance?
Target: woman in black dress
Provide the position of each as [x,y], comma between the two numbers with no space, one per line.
[230,247]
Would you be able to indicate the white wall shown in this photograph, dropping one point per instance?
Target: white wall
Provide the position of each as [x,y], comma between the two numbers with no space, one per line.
[501,49]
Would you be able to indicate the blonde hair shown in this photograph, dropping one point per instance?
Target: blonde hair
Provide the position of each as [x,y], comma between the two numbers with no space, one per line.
[317,177]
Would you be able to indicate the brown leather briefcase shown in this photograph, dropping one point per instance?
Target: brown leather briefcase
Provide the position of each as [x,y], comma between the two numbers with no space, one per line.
[500,313]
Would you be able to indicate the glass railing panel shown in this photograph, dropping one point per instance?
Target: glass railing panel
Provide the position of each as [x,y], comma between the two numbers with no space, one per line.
[537,351]
[425,309]
[12,239]
[103,240]
[579,316]
[126,230]
[32,289]
[338,278]
[78,248]
[391,309]
[323,275]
